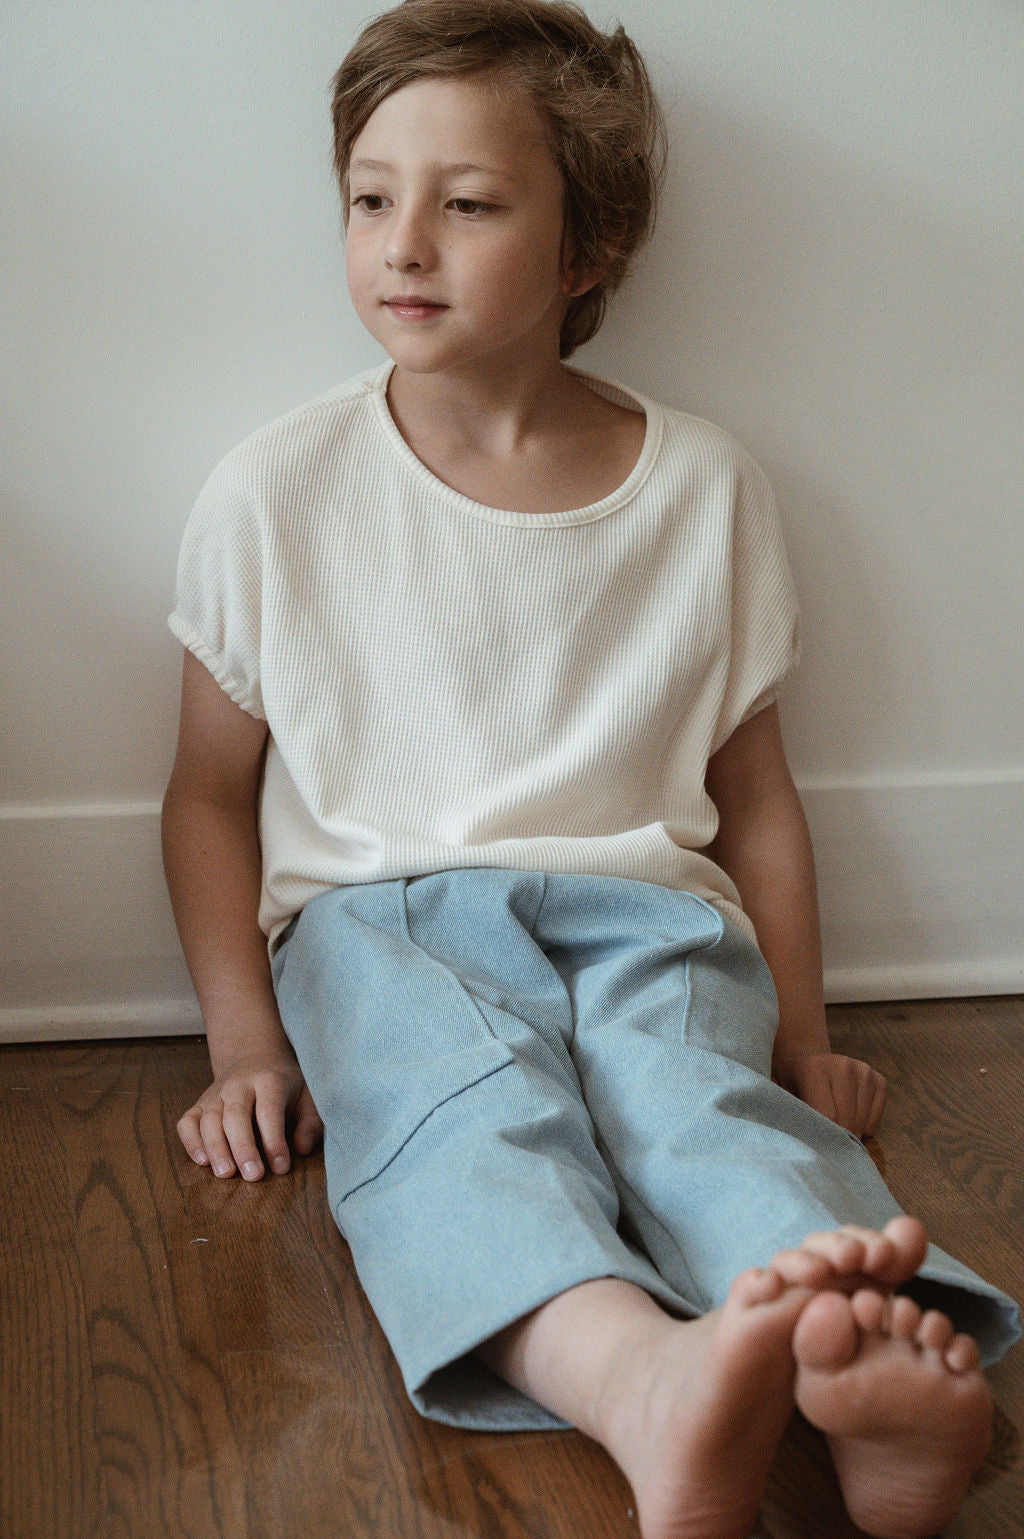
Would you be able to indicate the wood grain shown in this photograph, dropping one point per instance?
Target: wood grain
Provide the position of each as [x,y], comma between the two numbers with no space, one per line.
[187,1357]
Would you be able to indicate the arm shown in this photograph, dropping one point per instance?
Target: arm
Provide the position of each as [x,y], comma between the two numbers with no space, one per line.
[212,861]
[764,845]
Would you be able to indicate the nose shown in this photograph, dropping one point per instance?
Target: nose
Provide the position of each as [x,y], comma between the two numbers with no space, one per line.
[410,245]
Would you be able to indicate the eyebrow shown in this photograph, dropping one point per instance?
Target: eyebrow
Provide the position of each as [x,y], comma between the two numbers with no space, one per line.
[459,168]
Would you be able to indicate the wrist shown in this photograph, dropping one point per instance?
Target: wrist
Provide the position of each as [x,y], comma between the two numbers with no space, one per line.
[253,1036]
[790,1052]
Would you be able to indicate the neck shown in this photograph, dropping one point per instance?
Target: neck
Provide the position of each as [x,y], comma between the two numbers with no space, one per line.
[500,409]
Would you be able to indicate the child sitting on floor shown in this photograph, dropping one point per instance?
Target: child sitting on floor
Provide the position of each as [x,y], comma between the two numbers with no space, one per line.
[479,732]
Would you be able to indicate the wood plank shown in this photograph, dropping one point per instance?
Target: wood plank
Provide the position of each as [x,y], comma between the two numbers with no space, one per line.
[264,1283]
[169,1462]
[367,1465]
[952,1137]
[953,1141]
[50,1474]
[35,1192]
[169,1458]
[35,1066]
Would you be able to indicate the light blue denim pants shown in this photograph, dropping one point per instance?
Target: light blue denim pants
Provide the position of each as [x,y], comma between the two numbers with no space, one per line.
[529,1081]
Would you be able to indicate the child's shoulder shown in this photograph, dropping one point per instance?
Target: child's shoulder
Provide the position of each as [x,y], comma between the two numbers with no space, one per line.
[279,466]
[709,444]
[691,440]
[317,423]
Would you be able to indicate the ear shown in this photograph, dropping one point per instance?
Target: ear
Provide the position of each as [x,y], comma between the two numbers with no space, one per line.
[576,283]
[578,279]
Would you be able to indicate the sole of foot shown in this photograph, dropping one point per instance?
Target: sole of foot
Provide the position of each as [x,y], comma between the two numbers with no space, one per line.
[903,1403]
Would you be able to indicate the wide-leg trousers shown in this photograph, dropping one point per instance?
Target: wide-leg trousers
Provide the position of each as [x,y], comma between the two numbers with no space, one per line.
[529,1081]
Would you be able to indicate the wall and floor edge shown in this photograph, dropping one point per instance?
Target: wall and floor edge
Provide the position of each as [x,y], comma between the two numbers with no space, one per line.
[920,879]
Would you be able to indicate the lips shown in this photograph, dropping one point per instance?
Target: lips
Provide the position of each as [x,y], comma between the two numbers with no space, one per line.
[413,307]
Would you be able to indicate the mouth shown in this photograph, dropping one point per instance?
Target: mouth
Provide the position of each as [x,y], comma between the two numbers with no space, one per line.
[413,307]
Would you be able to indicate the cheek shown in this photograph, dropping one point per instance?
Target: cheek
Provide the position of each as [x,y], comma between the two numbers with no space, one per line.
[357,268]
[522,274]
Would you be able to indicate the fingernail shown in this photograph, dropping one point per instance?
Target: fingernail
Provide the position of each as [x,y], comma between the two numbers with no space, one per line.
[222,1167]
[251,1169]
[280,1164]
[200,1157]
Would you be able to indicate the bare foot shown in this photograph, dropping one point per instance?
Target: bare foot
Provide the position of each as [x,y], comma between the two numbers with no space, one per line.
[697,1411]
[901,1399]
[866,1258]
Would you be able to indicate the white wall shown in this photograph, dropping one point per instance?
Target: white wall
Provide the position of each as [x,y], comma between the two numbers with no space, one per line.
[837,278]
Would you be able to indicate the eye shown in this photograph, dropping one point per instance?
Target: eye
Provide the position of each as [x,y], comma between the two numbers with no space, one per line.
[470,206]
[369,202]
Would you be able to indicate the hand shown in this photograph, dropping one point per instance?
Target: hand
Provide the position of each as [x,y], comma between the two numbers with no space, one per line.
[268,1095]
[852,1093]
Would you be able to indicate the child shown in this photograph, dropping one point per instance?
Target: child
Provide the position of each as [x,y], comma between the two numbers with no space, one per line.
[479,731]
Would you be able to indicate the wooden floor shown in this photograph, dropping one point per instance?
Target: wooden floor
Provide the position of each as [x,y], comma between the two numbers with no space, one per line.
[181,1356]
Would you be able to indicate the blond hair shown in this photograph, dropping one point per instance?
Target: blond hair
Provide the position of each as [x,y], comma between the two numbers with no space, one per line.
[593,93]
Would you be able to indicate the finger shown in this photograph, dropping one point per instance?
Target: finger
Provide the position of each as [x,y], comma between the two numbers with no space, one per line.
[826,1101]
[270,1121]
[861,1096]
[815,1090]
[844,1098]
[858,1101]
[217,1139]
[211,1127]
[847,1116]
[853,1108]
[309,1128]
[188,1132]
[241,1136]
[878,1098]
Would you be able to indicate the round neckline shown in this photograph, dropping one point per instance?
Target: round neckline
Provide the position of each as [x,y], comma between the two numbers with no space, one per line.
[622,494]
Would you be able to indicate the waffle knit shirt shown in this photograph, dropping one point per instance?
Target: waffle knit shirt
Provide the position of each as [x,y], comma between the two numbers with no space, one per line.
[450,685]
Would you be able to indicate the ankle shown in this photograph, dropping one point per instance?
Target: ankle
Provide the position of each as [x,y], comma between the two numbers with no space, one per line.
[578,1354]
[622,1387]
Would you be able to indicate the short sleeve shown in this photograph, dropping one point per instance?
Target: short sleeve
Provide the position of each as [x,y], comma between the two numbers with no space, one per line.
[218,601]
[765,628]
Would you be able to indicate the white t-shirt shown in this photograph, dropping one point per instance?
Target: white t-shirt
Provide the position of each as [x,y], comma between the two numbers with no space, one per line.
[451,685]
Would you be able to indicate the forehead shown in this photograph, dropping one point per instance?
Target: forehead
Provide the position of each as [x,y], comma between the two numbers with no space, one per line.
[468,123]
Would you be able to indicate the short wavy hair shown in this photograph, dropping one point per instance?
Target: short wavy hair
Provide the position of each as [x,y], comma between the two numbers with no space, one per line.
[592,89]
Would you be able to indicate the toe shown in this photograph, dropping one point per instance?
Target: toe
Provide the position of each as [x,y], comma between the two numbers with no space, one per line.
[826,1337]
[905,1319]
[842,1249]
[878,1249]
[759,1285]
[871,1311]
[910,1241]
[935,1330]
[962,1355]
[801,1268]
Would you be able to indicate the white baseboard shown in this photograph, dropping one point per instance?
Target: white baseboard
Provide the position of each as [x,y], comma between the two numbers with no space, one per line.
[91,948]
[921,885]
[68,1023]
[862,985]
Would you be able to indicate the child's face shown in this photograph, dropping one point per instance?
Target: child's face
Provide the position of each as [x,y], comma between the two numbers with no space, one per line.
[455,234]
